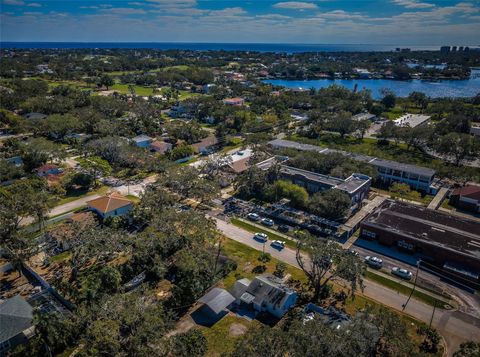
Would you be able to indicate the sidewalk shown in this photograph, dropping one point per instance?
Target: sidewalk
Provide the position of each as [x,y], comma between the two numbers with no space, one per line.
[438,199]
[409,284]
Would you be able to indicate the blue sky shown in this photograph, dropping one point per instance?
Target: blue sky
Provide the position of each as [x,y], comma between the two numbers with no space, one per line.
[397,22]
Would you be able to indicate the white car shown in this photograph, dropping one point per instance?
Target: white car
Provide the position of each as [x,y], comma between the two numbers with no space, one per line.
[278,244]
[262,237]
[253,217]
[267,222]
[374,262]
[402,273]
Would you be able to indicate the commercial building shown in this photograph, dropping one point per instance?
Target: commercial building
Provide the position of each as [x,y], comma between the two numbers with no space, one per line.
[411,120]
[418,177]
[356,186]
[443,241]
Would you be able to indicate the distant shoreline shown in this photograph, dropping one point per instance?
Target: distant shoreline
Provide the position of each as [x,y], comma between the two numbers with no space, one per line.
[205,46]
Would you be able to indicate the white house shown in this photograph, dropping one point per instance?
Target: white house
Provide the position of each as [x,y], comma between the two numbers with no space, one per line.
[113,205]
[265,293]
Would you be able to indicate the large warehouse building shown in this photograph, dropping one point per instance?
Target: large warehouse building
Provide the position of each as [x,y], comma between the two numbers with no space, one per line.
[447,242]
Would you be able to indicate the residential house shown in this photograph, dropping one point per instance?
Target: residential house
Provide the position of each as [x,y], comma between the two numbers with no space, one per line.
[16,323]
[265,293]
[466,198]
[112,205]
[160,147]
[475,129]
[142,141]
[234,101]
[364,116]
[48,169]
[205,145]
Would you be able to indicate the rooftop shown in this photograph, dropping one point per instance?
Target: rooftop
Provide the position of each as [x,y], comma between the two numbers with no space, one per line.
[15,317]
[411,120]
[141,138]
[109,203]
[424,171]
[350,184]
[469,191]
[432,227]
[217,299]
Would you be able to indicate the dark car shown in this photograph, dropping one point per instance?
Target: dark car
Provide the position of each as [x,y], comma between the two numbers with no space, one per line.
[283,228]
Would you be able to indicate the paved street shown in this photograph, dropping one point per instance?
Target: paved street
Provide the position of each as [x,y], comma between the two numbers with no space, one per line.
[455,326]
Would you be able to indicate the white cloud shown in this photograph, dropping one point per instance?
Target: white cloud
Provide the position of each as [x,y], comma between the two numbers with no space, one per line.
[14,2]
[32,13]
[125,11]
[229,11]
[34,4]
[413,4]
[295,5]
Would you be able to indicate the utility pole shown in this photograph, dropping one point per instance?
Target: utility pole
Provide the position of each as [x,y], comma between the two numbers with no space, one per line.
[414,285]
[433,313]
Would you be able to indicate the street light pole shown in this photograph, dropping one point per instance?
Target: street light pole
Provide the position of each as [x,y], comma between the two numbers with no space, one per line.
[414,285]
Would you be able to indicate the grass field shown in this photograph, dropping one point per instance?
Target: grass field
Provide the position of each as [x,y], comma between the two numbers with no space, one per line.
[247,259]
[139,90]
[220,338]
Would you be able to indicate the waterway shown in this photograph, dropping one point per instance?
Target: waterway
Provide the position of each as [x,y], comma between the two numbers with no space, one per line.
[444,88]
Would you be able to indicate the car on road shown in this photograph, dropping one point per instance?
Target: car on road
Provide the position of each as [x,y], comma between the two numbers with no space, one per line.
[402,273]
[283,228]
[279,244]
[267,222]
[253,217]
[374,262]
[262,237]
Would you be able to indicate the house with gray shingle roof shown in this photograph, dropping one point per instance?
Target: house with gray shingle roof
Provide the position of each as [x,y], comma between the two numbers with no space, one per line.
[265,293]
[16,323]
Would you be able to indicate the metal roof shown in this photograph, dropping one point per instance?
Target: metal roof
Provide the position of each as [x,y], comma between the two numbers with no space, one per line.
[217,299]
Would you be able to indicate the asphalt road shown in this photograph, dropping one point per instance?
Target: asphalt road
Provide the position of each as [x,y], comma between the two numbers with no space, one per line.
[455,326]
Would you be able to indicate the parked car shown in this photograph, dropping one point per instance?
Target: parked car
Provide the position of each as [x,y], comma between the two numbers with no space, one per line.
[374,262]
[262,237]
[279,244]
[253,217]
[402,273]
[283,228]
[267,222]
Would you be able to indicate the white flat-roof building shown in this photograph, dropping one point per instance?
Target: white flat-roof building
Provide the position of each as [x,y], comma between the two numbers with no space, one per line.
[411,120]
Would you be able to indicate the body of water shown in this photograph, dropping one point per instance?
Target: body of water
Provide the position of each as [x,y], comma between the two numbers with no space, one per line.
[445,88]
[259,47]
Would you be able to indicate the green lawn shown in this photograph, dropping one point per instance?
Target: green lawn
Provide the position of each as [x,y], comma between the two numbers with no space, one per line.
[139,90]
[79,194]
[254,229]
[246,259]
[219,336]
[405,290]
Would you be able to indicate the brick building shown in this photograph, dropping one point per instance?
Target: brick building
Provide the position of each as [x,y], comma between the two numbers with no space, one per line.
[446,242]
